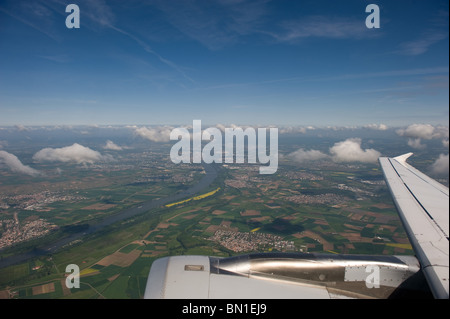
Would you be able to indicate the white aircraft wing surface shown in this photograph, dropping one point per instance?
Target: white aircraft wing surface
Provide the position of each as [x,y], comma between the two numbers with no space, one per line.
[423,206]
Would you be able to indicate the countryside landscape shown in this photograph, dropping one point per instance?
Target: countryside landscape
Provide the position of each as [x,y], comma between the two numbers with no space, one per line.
[320,205]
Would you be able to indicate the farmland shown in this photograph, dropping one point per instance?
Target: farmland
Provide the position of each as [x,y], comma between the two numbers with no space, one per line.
[227,220]
[320,206]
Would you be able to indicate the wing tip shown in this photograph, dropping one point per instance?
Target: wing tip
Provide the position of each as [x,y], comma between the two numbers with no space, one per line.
[402,158]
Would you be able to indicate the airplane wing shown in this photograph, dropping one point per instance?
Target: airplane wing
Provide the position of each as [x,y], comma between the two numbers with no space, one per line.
[423,207]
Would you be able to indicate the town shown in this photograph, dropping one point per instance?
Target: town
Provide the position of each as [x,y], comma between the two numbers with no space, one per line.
[251,241]
[12,232]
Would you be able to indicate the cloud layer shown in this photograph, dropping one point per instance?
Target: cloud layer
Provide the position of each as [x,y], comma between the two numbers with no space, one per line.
[75,153]
[14,164]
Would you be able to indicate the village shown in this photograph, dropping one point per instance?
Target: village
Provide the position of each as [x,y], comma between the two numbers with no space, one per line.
[11,232]
[251,241]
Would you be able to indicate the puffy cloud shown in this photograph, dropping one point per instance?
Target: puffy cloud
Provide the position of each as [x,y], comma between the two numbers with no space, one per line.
[221,127]
[350,151]
[416,132]
[21,128]
[441,132]
[110,145]
[424,131]
[302,156]
[76,153]
[416,143]
[155,134]
[379,127]
[15,165]
[440,166]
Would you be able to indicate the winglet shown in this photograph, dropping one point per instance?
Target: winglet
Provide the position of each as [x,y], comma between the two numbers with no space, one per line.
[402,158]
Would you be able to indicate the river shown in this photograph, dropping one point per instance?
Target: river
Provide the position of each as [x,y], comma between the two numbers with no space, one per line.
[205,181]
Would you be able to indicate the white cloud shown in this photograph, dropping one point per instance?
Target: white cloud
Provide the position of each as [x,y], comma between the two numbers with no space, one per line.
[417,132]
[155,134]
[322,27]
[21,128]
[302,156]
[291,129]
[440,166]
[416,143]
[222,127]
[422,44]
[425,131]
[350,151]
[15,165]
[219,23]
[441,132]
[110,145]
[379,127]
[75,153]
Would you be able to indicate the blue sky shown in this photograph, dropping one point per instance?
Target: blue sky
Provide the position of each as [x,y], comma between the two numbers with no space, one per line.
[253,62]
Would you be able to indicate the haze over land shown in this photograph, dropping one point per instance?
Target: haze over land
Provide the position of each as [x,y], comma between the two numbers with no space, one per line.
[346,144]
